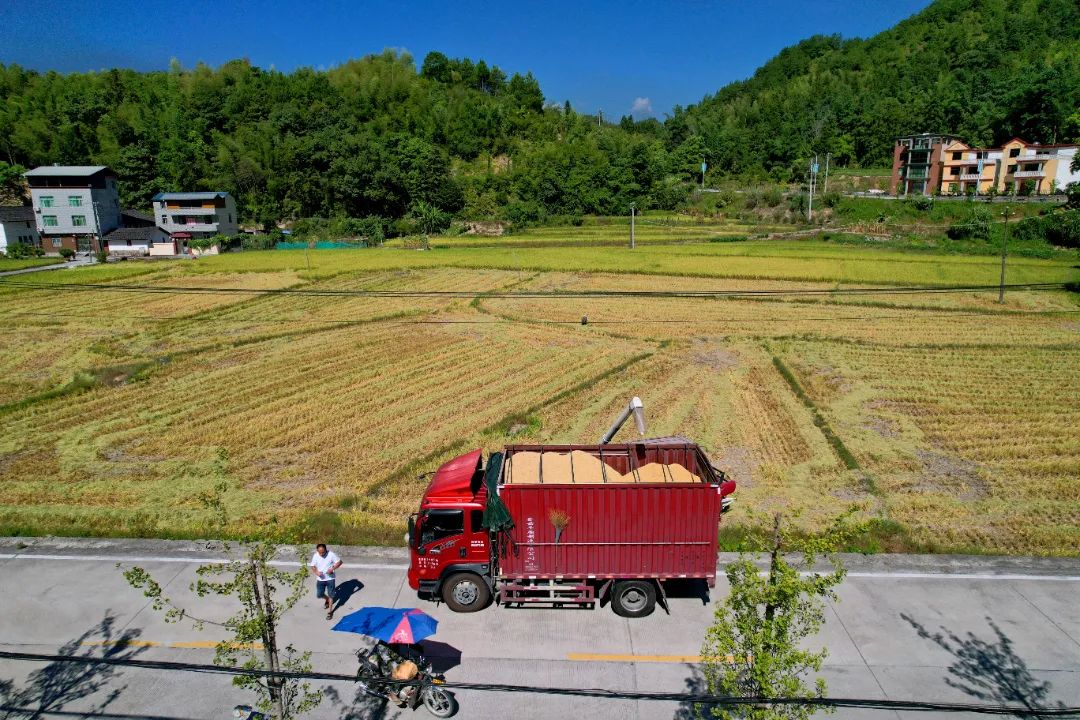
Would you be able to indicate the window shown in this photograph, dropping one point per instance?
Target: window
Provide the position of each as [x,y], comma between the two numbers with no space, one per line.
[78,220]
[57,242]
[958,156]
[1015,152]
[164,219]
[954,171]
[46,201]
[49,220]
[74,200]
[476,520]
[439,524]
[1012,168]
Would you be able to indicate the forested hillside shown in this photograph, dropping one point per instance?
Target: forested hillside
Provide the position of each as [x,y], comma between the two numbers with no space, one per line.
[374,136]
[983,69]
[380,137]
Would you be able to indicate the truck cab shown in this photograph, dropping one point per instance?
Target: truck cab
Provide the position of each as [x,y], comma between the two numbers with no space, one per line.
[449,549]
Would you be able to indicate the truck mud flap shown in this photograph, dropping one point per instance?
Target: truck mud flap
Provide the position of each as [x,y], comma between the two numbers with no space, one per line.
[604,590]
[662,596]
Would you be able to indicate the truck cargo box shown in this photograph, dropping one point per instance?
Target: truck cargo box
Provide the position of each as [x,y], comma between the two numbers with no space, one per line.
[637,510]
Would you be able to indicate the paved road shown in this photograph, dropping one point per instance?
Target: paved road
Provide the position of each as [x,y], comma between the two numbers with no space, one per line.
[1017,619]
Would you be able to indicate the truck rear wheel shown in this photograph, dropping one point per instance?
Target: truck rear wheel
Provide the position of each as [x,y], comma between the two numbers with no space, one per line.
[633,598]
[466,592]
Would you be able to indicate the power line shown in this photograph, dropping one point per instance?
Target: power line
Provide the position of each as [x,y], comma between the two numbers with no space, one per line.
[692,698]
[530,295]
[913,315]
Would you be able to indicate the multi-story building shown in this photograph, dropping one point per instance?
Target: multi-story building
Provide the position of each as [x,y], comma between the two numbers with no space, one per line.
[188,215]
[917,163]
[1044,167]
[921,166]
[17,226]
[74,206]
[969,170]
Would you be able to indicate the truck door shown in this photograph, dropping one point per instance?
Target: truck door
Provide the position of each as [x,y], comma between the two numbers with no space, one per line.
[442,535]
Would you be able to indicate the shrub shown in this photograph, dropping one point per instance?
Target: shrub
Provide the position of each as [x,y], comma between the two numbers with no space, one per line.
[205,243]
[522,214]
[1072,192]
[67,253]
[922,203]
[19,251]
[1063,229]
[259,242]
[831,199]
[430,219]
[975,226]
[102,255]
[798,203]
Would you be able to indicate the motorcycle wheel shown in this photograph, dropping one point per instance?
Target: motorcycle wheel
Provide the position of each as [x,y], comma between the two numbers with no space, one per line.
[438,702]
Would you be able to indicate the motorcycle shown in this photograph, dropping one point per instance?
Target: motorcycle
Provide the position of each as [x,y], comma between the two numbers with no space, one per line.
[383,662]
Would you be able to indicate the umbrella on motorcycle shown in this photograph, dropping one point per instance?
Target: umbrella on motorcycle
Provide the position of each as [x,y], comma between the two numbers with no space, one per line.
[406,626]
[391,625]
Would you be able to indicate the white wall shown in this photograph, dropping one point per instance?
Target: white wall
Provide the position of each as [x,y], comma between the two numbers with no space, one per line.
[15,231]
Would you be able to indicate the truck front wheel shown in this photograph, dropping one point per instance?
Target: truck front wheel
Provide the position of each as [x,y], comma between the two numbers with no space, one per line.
[633,598]
[466,592]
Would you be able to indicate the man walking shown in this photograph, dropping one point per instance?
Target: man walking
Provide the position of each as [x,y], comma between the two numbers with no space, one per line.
[323,565]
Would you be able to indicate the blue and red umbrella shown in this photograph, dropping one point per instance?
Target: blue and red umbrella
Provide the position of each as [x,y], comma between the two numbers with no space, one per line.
[392,625]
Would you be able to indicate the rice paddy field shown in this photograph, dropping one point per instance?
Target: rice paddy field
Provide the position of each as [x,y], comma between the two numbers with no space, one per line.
[306,393]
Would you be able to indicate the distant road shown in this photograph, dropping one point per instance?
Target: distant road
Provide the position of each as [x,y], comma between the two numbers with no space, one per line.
[61,265]
[900,630]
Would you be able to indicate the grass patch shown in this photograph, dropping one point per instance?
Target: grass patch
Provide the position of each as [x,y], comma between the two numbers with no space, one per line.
[9,264]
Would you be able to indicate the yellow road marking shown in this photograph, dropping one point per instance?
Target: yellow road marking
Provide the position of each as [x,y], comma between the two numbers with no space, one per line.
[208,644]
[600,657]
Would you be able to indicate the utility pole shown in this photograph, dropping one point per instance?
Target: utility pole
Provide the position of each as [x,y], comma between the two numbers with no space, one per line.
[813,177]
[97,228]
[827,156]
[1004,249]
[632,212]
[599,117]
[704,167]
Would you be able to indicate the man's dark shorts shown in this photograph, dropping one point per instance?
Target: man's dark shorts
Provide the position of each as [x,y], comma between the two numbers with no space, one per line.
[324,587]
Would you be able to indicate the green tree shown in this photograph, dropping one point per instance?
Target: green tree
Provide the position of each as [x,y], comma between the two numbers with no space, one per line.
[755,646]
[264,595]
[12,188]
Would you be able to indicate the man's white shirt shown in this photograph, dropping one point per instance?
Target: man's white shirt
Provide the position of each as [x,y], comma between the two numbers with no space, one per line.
[322,564]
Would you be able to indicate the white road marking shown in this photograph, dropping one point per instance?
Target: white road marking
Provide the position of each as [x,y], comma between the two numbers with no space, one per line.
[379,566]
[199,561]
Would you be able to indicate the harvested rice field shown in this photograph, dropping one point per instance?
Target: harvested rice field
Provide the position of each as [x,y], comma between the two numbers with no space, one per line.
[137,399]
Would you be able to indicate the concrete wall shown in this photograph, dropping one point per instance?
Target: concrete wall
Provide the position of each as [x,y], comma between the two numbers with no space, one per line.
[18,231]
[107,210]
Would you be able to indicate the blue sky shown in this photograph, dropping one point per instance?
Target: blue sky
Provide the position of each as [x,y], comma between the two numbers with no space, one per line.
[615,56]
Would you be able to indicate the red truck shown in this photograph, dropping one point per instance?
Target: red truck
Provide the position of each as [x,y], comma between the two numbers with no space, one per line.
[568,524]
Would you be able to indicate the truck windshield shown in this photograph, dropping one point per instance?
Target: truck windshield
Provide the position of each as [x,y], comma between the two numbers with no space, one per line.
[439,524]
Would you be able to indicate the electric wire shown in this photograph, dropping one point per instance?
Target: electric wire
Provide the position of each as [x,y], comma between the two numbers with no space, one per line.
[531,295]
[683,697]
[546,321]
